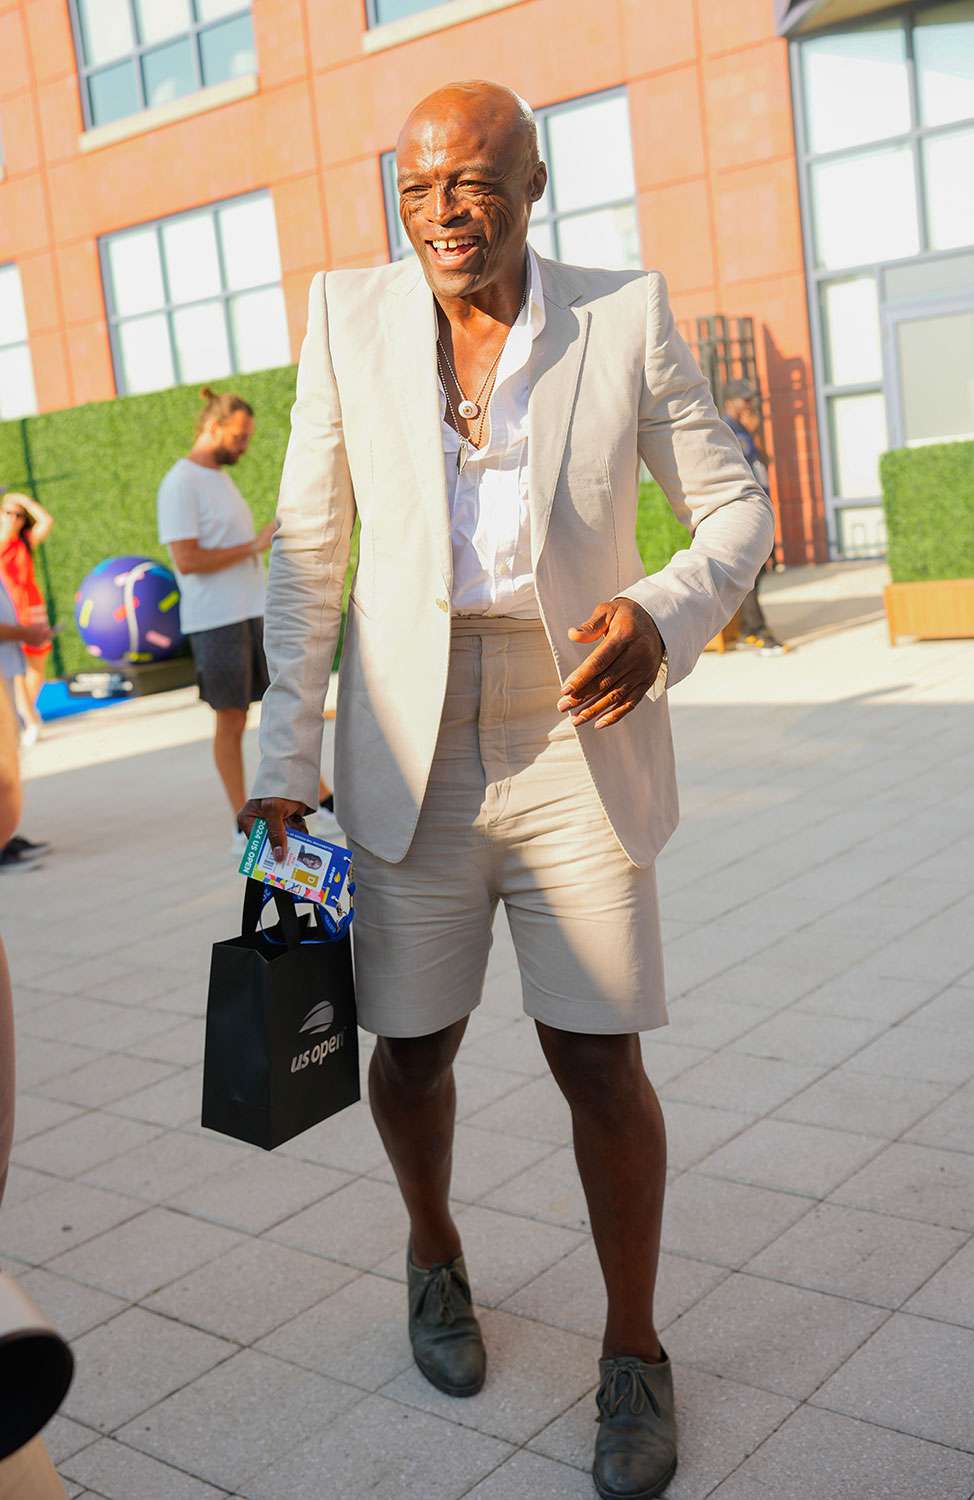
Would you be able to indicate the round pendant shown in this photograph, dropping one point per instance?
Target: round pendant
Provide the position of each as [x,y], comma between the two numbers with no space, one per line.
[468,410]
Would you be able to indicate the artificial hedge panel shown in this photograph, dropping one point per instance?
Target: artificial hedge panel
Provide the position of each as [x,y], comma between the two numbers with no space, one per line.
[928,497]
[97,469]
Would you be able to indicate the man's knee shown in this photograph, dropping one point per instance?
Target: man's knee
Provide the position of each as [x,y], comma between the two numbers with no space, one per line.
[418,1065]
[231,721]
[597,1072]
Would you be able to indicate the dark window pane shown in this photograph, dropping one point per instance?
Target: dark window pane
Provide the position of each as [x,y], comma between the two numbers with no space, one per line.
[169,72]
[114,93]
[228,50]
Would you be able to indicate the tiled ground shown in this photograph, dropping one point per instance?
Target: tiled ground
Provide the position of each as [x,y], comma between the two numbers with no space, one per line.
[238,1318]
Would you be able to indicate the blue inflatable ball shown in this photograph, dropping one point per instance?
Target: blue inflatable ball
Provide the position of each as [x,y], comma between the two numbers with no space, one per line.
[127,610]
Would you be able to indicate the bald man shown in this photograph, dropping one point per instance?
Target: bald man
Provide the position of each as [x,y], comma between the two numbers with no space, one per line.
[502,729]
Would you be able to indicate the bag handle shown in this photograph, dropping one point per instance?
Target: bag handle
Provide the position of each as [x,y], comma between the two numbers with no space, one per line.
[256,897]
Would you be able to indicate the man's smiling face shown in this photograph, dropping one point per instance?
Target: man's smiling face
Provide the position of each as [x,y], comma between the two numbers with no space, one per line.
[468,178]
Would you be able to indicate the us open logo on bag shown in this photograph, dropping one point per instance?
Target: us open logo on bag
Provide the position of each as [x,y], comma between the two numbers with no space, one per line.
[318,1021]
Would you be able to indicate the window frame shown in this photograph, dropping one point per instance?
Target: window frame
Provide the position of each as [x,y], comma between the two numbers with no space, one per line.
[553,219]
[137,53]
[817,277]
[225,296]
[24,343]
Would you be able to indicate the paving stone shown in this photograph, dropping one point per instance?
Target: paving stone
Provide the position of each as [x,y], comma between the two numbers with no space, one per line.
[40,1059]
[409,1452]
[252,1289]
[93,1024]
[181,1045]
[912,1375]
[911,1052]
[723,1222]
[530,1474]
[693,1131]
[792,1158]
[259,1192]
[121,1473]
[863,1102]
[710,1023]
[949,1126]
[358,1334]
[780,1338]
[82,1143]
[63,1438]
[174,1101]
[538,1112]
[23,1183]
[534,1374]
[348,1141]
[167,1164]
[915,1182]
[514,1047]
[865,994]
[34,1113]
[63,1216]
[817,1455]
[719,1423]
[814,1040]
[71,1307]
[764,986]
[478,1086]
[146,1253]
[148,985]
[481,1160]
[867,1256]
[355,1225]
[239,1417]
[752,1085]
[951,1011]
[132,1362]
[105,1079]
[949,1295]
[550,1190]
[665,1060]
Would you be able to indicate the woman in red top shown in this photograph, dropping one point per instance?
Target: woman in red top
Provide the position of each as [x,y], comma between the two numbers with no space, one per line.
[23,526]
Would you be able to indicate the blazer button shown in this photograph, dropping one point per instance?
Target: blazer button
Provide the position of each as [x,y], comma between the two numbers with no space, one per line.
[442,604]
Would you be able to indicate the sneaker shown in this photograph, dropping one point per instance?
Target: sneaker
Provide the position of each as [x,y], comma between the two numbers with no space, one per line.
[324,825]
[16,859]
[766,644]
[238,845]
[27,848]
[29,735]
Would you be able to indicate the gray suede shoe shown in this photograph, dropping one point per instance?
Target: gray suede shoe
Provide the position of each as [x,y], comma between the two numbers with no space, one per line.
[447,1343]
[635,1450]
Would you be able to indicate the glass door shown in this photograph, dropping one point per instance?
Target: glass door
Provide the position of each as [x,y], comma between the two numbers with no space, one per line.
[929,355]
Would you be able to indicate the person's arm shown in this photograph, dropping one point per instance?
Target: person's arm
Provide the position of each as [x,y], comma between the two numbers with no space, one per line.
[190,557]
[42,519]
[27,635]
[316,511]
[9,762]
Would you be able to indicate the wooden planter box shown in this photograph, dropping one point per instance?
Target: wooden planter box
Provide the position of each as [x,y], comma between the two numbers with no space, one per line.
[936,611]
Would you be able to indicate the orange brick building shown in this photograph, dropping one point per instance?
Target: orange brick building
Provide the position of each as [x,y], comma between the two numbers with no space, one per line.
[214,125]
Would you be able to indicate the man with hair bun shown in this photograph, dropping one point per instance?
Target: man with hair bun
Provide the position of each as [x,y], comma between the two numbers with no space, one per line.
[207,525]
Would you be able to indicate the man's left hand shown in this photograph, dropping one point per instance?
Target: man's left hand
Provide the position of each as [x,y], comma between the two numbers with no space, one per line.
[619,673]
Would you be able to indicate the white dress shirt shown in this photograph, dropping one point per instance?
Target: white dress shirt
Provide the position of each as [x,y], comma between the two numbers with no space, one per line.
[489,520]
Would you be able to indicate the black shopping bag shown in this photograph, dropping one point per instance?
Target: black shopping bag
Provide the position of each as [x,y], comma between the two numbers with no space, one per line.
[281,1035]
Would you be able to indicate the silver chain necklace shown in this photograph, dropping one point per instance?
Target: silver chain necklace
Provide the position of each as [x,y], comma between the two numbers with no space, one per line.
[468,409]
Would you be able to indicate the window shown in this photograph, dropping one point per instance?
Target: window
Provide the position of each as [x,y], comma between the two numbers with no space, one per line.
[17,398]
[134,54]
[196,296]
[588,213]
[885,115]
[381,11]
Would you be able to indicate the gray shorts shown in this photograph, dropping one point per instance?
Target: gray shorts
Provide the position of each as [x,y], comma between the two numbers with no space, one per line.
[230,665]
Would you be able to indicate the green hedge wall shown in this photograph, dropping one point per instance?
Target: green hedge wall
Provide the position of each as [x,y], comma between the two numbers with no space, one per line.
[928,497]
[97,468]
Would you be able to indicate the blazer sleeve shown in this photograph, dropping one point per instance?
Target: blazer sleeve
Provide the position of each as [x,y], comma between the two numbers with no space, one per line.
[309,558]
[698,463]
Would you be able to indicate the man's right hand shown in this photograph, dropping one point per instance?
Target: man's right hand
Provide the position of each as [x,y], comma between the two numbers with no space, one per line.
[265,536]
[277,813]
[40,634]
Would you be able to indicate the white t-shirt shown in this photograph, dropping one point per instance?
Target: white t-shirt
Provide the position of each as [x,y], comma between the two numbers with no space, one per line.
[205,505]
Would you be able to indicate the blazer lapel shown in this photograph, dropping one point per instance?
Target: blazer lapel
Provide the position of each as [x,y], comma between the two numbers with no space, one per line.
[410,330]
[557,361]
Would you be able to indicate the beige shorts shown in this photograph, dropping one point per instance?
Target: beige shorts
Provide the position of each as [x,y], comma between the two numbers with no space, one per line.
[510,814]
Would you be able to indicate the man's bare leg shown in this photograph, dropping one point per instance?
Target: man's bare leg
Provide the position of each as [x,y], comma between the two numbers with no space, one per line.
[620,1148]
[228,753]
[413,1096]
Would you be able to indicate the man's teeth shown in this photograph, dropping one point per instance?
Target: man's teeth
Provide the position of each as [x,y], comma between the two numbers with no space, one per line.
[453,244]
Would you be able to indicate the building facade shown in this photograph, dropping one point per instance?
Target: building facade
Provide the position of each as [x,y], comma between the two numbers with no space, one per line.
[174,171]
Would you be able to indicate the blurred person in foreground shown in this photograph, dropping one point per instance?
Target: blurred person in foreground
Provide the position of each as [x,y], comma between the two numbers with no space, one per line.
[16,852]
[27,1474]
[216,553]
[741,416]
[24,525]
[502,730]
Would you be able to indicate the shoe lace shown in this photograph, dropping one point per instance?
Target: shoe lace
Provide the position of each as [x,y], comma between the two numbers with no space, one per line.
[442,1287]
[625,1383]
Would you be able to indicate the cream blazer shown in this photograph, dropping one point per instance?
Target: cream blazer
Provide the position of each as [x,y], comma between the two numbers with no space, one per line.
[614,383]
